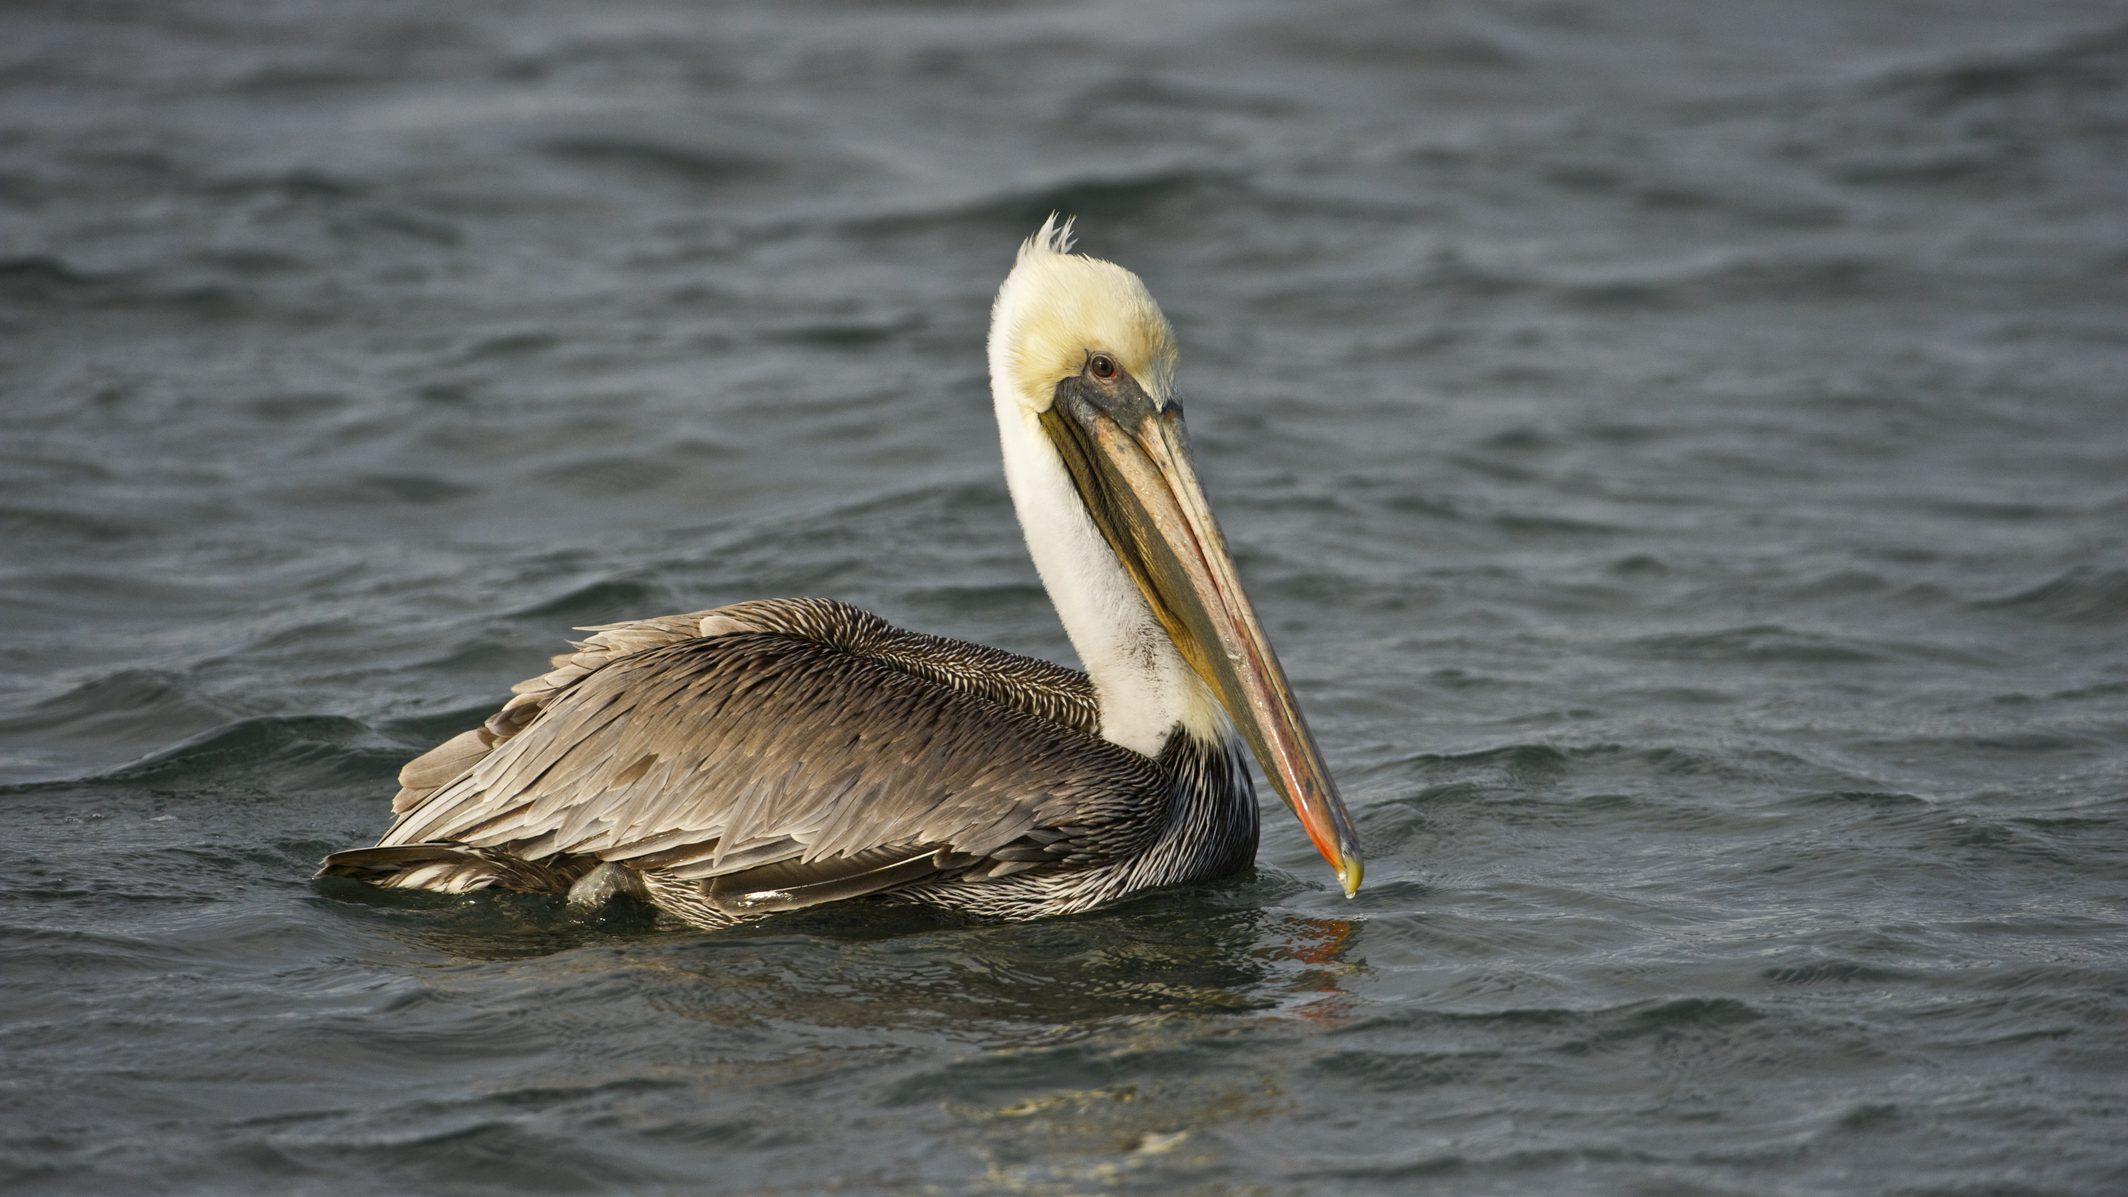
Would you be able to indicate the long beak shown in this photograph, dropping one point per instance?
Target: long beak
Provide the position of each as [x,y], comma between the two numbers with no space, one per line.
[1131,464]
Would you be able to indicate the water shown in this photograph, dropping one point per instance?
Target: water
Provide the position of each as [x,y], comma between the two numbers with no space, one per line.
[1679,449]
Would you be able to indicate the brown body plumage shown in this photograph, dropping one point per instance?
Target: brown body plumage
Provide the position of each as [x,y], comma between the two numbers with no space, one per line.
[778,754]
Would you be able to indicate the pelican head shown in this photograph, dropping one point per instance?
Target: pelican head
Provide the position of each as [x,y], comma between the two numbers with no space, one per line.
[1082,366]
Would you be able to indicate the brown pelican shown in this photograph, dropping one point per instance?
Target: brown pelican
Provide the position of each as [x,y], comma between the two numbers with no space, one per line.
[783,753]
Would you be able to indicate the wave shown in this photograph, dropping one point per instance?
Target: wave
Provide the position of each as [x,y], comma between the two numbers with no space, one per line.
[1764,643]
[291,750]
[2083,594]
[696,166]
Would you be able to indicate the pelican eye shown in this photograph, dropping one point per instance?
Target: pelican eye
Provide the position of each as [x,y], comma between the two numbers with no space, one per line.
[1102,366]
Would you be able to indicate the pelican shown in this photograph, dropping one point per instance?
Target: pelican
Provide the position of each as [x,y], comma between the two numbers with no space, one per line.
[779,754]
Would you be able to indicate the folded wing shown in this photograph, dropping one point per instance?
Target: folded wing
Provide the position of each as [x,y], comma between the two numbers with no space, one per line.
[752,770]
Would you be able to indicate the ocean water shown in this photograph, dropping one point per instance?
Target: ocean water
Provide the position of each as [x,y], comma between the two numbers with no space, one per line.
[1680,450]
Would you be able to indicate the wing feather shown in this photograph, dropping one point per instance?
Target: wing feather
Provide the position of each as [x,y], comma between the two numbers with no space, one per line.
[762,763]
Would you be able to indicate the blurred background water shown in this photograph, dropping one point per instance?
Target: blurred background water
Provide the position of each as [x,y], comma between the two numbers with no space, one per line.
[1679,448]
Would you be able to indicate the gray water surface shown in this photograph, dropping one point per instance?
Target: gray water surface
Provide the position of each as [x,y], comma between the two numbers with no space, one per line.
[1680,450]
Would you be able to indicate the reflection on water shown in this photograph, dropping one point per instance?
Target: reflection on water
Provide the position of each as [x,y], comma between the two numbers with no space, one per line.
[888,966]
[1156,1131]
[1074,1052]
[1155,1069]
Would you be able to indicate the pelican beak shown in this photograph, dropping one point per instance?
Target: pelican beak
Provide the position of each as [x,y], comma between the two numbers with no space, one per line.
[1130,460]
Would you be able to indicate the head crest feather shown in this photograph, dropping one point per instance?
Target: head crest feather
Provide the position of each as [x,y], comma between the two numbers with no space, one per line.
[1054,237]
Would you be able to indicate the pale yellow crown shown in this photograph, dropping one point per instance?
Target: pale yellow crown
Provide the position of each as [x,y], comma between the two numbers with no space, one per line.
[1056,307]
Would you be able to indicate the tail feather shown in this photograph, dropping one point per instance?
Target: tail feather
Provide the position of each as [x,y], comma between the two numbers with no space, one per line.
[453,868]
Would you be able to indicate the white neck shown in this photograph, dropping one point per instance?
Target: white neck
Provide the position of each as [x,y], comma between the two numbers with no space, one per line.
[1144,688]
